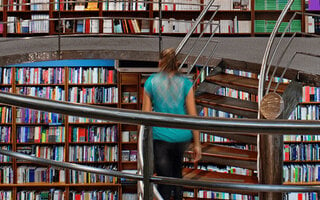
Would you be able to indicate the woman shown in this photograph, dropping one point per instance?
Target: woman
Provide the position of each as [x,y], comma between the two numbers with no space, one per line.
[170,92]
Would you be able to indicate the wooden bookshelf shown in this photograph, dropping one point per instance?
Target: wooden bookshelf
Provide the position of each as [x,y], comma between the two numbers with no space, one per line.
[130,17]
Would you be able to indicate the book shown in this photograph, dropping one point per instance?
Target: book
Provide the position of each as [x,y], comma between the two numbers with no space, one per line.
[125,155]
[133,155]
[133,136]
[125,97]
[125,136]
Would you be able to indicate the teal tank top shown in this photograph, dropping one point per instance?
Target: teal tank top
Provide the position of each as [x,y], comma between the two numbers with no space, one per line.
[168,95]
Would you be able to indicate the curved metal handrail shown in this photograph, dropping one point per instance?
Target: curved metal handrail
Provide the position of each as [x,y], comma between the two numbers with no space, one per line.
[141,165]
[239,126]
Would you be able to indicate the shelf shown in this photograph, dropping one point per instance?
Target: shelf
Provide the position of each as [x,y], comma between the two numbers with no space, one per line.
[300,161]
[44,143]
[38,85]
[95,143]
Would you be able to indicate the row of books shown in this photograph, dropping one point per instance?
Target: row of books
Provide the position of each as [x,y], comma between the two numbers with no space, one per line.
[210,112]
[27,174]
[93,95]
[23,5]
[301,196]
[92,75]
[54,93]
[26,115]
[5,114]
[174,26]
[39,23]
[301,152]
[267,26]
[85,26]
[48,152]
[5,194]
[241,73]
[129,97]
[94,153]
[6,175]
[40,134]
[5,75]
[129,136]
[226,169]
[231,4]
[93,134]
[305,112]
[87,177]
[301,173]
[4,158]
[36,5]
[205,194]
[129,155]
[74,119]
[133,5]
[312,24]
[204,137]
[5,133]
[302,138]
[175,5]
[91,195]
[56,194]
[276,5]
[126,26]
[229,92]
[310,94]
[228,26]
[312,5]
[40,75]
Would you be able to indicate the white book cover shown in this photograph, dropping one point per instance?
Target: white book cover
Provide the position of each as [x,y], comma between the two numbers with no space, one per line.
[215,28]
[107,26]
[244,26]
[310,24]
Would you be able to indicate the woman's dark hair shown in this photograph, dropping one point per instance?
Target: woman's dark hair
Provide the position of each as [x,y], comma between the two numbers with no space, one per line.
[168,60]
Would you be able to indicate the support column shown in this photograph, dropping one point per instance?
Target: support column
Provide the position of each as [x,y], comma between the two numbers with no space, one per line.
[271,164]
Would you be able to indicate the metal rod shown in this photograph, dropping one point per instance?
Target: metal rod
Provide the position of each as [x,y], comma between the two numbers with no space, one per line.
[277,65]
[243,126]
[267,52]
[202,50]
[276,49]
[186,38]
[148,159]
[205,65]
[160,27]
[195,42]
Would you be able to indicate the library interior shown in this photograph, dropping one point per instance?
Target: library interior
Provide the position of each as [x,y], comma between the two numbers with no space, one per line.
[74,76]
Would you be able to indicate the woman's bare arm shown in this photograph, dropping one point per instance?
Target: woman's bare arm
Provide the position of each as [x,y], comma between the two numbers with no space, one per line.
[191,109]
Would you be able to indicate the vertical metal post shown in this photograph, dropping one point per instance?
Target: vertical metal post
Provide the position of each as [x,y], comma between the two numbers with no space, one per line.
[148,163]
[160,27]
[59,30]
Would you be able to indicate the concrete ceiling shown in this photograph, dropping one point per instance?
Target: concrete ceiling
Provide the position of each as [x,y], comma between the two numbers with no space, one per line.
[243,53]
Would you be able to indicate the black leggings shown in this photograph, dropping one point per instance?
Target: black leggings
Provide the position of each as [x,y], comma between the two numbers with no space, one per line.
[168,159]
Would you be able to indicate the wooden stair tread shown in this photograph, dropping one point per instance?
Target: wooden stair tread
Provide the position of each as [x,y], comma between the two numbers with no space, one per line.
[197,174]
[242,83]
[225,155]
[228,104]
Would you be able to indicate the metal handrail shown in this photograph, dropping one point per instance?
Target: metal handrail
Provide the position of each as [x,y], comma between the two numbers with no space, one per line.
[240,126]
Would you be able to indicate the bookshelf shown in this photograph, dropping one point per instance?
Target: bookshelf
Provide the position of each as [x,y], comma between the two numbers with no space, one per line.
[237,18]
[301,152]
[67,138]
